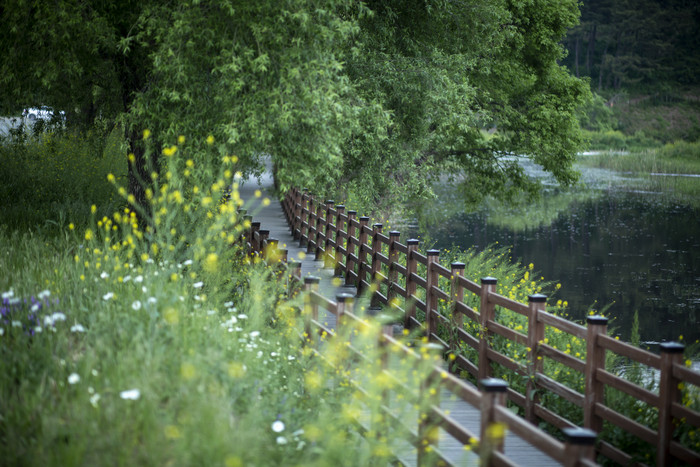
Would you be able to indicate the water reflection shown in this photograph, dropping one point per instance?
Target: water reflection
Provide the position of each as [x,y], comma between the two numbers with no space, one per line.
[627,249]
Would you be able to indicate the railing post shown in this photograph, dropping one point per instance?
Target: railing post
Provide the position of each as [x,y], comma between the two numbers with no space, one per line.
[344,305]
[431,280]
[310,308]
[245,235]
[303,218]
[252,240]
[326,244]
[456,296]
[487,313]
[293,276]
[339,224]
[579,446]
[492,433]
[262,241]
[319,223]
[671,354]
[393,259]
[411,268]
[350,249]
[375,264]
[362,254]
[595,359]
[535,335]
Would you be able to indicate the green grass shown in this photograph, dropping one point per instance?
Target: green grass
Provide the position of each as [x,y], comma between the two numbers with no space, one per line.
[46,176]
[123,344]
[675,159]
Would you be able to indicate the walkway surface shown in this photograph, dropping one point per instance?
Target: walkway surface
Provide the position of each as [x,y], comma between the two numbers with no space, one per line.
[272,218]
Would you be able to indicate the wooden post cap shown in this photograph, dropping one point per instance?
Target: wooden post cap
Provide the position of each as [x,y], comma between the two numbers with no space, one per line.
[597,319]
[273,241]
[352,213]
[579,436]
[364,219]
[412,241]
[394,233]
[294,264]
[489,280]
[340,206]
[344,297]
[493,385]
[377,225]
[264,232]
[242,212]
[433,252]
[248,218]
[312,280]
[330,201]
[457,265]
[255,224]
[537,298]
[672,347]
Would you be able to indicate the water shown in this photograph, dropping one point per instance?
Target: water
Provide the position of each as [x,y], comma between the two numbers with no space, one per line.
[623,249]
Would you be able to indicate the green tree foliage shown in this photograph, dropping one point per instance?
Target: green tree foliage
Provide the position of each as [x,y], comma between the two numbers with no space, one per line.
[387,94]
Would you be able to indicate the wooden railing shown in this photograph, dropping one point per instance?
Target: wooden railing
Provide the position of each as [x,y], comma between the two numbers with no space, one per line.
[577,450]
[436,304]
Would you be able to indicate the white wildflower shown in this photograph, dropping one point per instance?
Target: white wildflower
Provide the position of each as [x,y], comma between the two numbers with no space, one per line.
[278,426]
[138,278]
[58,316]
[198,285]
[136,305]
[242,316]
[73,378]
[188,262]
[94,399]
[281,440]
[254,334]
[44,294]
[35,307]
[104,275]
[130,394]
[17,324]
[77,328]
[127,278]
[9,294]
[152,300]
[108,296]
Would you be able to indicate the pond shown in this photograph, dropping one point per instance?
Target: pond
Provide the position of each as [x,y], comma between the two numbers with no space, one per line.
[624,250]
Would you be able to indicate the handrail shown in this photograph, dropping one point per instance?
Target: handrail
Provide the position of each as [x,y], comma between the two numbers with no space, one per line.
[425,286]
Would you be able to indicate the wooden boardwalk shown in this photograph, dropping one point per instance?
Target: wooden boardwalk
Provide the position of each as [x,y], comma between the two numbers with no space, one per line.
[272,218]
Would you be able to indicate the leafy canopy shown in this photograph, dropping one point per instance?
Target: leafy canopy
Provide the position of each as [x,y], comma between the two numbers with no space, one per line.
[386,94]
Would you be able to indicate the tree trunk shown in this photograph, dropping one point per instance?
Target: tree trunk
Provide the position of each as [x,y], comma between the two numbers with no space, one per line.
[578,41]
[590,50]
[602,66]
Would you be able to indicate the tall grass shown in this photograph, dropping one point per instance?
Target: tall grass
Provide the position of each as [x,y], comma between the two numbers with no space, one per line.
[43,176]
[165,344]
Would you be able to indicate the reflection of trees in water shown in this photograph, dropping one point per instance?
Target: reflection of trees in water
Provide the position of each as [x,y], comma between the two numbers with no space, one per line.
[627,249]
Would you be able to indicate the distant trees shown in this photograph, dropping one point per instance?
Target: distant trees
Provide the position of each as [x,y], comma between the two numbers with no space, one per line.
[622,43]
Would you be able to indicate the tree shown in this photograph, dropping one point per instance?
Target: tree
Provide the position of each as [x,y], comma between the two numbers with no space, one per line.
[387,95]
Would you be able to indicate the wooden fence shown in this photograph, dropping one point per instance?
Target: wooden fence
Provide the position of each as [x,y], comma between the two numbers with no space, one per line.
[437,304]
